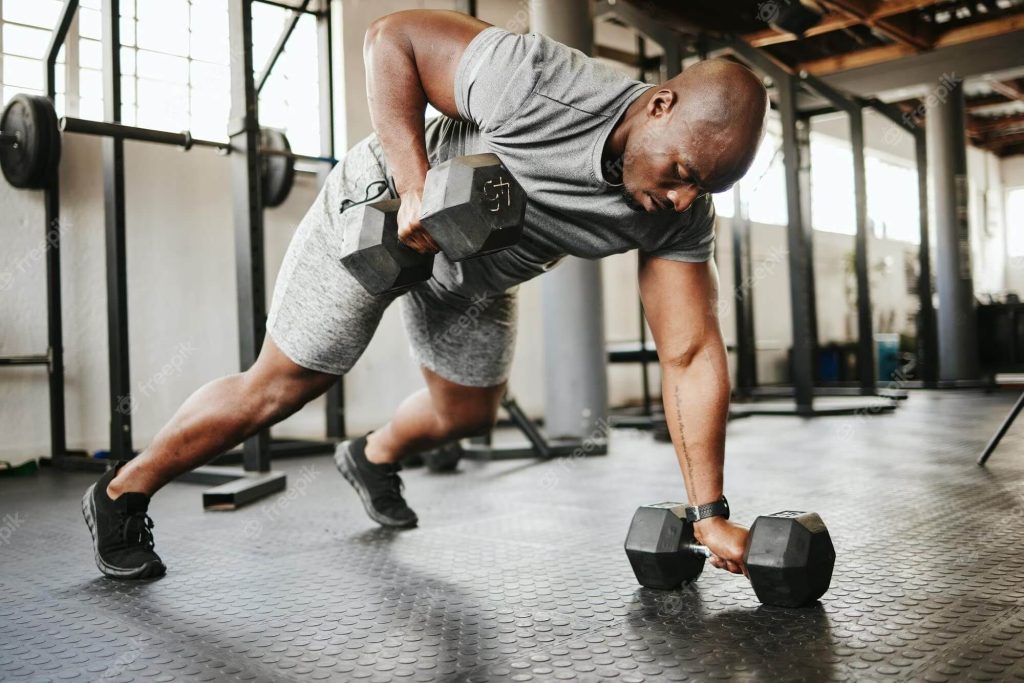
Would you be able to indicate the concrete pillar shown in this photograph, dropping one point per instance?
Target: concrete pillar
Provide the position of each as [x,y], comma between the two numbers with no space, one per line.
[575,379]
[947,158]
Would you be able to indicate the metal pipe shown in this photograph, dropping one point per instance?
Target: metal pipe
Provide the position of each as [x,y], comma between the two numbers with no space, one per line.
[40,359]
[290,8]
[282,40]
[123,132]
[161,137]
[60,34]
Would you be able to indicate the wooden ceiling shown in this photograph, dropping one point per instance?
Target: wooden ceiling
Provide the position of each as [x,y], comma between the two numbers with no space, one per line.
[859,33]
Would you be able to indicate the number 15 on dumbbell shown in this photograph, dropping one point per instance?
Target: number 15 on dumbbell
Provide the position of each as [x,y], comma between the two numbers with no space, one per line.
[472,206]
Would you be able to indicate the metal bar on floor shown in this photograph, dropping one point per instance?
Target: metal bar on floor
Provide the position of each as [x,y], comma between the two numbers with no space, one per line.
[1001,432]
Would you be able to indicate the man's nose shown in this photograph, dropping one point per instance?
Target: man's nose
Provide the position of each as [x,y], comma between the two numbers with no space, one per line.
[681,199]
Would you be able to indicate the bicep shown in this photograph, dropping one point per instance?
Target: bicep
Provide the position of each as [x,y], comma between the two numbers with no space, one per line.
[436,41]
[680,300]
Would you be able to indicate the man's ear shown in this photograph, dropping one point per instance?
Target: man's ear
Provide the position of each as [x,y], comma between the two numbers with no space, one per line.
[661,103]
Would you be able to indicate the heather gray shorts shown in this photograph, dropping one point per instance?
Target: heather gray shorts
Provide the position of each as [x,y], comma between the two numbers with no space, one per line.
[322,319]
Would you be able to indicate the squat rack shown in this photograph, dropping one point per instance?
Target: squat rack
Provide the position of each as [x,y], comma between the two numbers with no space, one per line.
[244,147]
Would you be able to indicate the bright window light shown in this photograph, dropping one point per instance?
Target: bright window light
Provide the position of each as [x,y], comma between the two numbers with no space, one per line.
[1015,223]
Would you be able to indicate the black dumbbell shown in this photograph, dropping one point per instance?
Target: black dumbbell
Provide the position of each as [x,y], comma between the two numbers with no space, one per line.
[472,206]
[789,555]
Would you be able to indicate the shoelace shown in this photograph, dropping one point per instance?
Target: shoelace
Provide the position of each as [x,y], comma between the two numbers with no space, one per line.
[393,494]
[141,532]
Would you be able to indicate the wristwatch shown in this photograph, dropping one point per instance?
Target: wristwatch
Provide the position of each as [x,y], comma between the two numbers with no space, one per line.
[719,508]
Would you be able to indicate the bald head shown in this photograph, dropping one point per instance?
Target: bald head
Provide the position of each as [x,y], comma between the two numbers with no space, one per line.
[695,134]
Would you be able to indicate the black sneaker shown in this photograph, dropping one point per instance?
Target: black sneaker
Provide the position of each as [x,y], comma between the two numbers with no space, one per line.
[122,535]
[378,486]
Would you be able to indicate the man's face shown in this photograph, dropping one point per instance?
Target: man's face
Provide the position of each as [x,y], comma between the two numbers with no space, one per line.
[668,165]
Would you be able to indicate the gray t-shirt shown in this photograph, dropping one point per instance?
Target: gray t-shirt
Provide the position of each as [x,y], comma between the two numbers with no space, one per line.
[546,110]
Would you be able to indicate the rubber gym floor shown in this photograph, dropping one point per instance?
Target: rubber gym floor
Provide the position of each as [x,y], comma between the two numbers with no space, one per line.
[517,571]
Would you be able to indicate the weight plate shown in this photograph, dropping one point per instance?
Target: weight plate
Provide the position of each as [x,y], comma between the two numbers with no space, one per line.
[278,169]
[24,165]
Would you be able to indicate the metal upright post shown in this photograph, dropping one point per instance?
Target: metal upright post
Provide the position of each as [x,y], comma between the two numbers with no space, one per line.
[54,305]
[336,427]
[927,332]
[575,380]
[865,327]
[801,292]
[947,153]
[248,210]
[114,214]
[743,298]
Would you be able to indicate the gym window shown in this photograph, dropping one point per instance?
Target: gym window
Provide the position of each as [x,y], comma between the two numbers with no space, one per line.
[1015,223]
[174,62]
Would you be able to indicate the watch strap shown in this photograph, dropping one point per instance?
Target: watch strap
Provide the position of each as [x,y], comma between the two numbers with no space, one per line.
[719,508]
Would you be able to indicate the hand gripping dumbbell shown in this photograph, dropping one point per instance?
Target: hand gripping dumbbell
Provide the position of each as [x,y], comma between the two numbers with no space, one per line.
[472,206]
[789,555]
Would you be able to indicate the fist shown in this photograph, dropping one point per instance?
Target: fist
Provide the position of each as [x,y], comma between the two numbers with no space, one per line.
[726,541]
[411,232]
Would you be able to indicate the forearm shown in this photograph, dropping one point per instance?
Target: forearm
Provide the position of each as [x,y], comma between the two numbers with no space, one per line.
[398,103]
[696,400]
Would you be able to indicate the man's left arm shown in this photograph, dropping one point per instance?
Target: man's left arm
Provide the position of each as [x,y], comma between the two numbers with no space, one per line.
[680,302]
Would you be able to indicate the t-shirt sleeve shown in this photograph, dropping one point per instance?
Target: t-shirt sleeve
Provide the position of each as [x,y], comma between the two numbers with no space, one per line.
[695,241]
[495,77]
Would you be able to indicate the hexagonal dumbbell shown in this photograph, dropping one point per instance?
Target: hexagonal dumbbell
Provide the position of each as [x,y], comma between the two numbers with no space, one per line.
[789,555]
[379,261]
[472,206]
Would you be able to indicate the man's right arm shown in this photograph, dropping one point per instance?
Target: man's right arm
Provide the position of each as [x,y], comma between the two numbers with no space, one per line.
[411,59]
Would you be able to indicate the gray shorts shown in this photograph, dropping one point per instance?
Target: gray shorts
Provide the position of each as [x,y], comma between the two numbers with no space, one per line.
[322,319]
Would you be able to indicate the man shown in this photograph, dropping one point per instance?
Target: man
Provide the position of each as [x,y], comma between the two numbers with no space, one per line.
[609,164]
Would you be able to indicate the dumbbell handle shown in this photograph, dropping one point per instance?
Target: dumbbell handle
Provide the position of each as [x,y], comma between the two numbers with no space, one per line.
[697,549]
[9,139]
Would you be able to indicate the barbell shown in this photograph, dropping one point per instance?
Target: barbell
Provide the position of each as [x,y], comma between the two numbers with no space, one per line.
[30,146]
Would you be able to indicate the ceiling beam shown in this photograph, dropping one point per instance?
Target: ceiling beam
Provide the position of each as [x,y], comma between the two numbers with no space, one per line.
[838,22]
[863,12]
[887,53]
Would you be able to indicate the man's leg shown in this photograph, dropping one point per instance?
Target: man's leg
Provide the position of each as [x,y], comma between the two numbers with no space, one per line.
[442,412]
[219,416]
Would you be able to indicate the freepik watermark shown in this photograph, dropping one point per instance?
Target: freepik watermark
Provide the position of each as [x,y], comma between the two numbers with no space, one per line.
[9,524]
[467,321]
[123,660]
[126,405]
[34,255]
[765,268]
[297,489]
[912,118]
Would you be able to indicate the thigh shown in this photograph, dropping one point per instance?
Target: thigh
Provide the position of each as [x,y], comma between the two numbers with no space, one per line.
[320,316]
[466,341]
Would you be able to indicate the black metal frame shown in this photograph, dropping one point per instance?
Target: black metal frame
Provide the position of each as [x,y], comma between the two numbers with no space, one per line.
[865,332]
[927,330]
[249,241]
[53,359]
[539,445]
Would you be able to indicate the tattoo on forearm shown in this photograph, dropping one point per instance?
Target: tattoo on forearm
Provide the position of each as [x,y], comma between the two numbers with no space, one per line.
[682,440]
